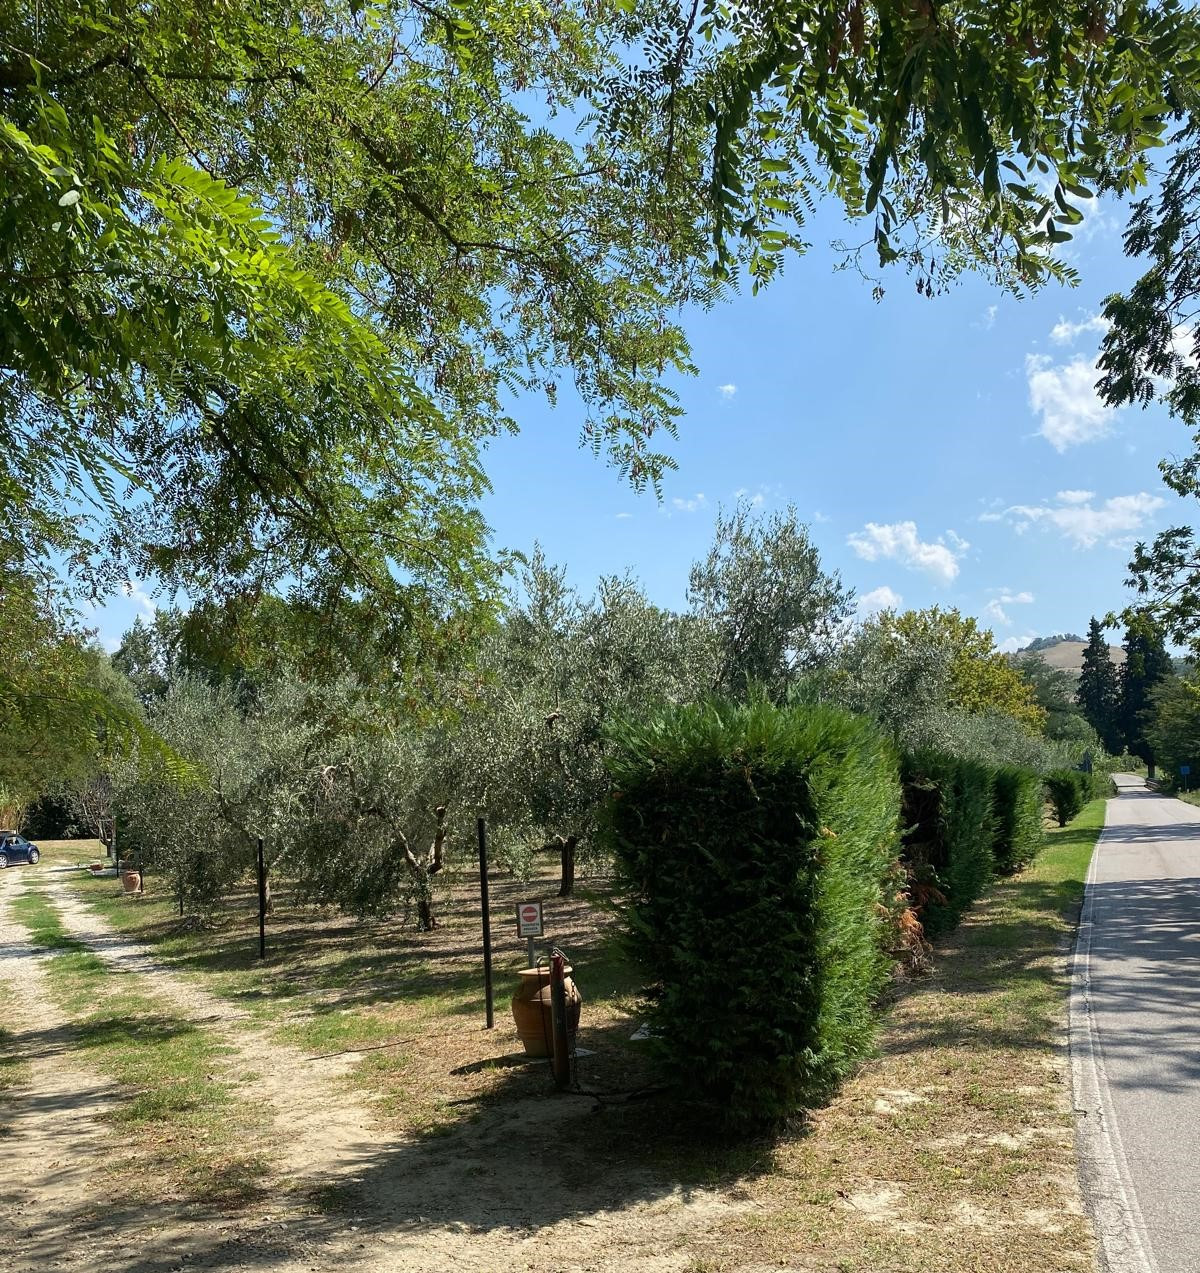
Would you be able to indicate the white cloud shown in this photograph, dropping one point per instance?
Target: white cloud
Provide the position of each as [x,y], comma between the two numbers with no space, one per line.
[755,501]
[1065,332]
[988,321]
[900,542]
[1010,645]
[111,644]
[140,598]
[727,391]
[882,598]
[1086,523]
[1006,597]
[820,518]
[623,516]
[1075,497]
[1065,397]
[692,505]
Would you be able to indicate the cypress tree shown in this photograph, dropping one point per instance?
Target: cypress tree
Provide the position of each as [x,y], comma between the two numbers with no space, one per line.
[1146,664]
[1099,690]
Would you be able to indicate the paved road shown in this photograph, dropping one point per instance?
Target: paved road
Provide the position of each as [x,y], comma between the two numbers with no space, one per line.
[1136,1033]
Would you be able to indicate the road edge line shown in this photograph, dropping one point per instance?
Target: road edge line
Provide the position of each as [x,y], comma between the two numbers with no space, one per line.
[1108,1191]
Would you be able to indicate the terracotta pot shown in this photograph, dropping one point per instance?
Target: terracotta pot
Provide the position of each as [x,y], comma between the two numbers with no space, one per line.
[531,1009]
[131,880]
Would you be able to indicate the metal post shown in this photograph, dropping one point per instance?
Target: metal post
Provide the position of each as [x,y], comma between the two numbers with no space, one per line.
[530,952]
[560,1059]
[481,830]
[262,902]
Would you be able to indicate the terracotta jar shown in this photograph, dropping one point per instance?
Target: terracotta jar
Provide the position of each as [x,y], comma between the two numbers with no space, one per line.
[531,1009]
[131,880]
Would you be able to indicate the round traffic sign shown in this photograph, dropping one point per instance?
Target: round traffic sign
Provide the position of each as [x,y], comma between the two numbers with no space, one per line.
[529,914]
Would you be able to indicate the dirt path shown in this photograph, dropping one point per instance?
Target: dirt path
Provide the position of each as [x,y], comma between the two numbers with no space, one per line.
[55,1213]
[510,1188]
[324,1128]
[51,1166]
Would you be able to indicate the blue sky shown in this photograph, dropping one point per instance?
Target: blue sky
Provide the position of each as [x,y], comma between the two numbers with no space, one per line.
[944,451]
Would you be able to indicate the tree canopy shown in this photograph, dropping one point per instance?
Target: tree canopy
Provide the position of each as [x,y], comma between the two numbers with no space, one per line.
[972,134]
[272,273]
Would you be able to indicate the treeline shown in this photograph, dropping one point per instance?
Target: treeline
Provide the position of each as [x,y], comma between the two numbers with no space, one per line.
[364,784]
[1148,706]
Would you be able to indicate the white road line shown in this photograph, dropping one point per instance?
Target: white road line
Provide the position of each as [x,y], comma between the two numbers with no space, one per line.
[1104,1171]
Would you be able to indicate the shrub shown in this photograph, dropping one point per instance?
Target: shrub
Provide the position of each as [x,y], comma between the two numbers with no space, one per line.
[1100,785]
[949,834]
[1069,790]
[752,845]
[1017,806]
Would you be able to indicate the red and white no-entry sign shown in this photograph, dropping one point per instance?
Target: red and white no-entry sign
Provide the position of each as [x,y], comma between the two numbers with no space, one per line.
[529,919]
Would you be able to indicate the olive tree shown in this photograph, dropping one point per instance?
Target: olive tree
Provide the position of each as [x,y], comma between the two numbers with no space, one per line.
[760,594]
[529,747]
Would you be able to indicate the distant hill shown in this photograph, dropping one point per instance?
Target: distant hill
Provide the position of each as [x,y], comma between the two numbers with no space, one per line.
[1066,652]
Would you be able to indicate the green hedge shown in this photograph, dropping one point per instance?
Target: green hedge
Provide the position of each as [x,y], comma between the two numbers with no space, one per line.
[1069,790]
[752,844]
[1017,807]
[949,834]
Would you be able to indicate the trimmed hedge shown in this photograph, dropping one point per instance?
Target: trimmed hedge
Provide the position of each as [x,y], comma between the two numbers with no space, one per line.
[1069,790]
[950,833]
[1017,806]
[752,844]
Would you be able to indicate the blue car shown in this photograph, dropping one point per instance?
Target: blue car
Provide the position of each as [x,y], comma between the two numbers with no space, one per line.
[16,848]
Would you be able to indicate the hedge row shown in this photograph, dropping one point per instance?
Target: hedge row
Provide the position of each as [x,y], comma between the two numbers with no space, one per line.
[948,836]
[965,823]
[753,844]
[756,852]
[1070,789]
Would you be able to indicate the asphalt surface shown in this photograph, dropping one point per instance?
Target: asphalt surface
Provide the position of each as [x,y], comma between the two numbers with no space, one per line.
[1136,1033]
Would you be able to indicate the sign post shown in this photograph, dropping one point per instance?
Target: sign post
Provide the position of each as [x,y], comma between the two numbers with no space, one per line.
[529,926]
[262,901]
[485,908]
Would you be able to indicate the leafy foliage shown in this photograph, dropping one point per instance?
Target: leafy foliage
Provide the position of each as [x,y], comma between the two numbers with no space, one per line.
[773,611]
[754,845]
[1017,809]
[1099,691]
[1147,663]
[1068,790]
[972,134]
[270,275]
[949,833]
[1173,731]
[907,669]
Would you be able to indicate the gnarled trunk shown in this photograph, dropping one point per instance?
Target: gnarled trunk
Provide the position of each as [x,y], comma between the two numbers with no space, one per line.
[566,884]
[424,871]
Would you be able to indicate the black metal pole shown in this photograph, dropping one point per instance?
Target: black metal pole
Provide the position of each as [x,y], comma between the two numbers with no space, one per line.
[262,902]
[487,921]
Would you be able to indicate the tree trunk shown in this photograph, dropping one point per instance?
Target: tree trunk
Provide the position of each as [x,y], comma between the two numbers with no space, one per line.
[567,881]
[426,920]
